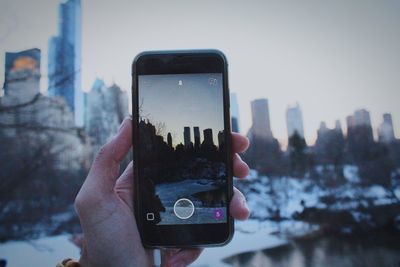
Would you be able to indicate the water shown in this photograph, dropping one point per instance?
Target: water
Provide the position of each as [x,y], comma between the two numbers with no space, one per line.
[379,249]
[258,248]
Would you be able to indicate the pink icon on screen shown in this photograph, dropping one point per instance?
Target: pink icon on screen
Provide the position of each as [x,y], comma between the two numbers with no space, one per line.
[218,214]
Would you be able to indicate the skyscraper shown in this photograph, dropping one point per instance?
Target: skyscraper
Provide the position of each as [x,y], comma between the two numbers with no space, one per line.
[261,127]
[196,137]
[221,139]
[338,128]
[169,139]
[294,120]
[186,136]
[106,108]
[22,74]
[359,126]
[322,129]
[208,138]
[234,113]
[385,130]
[362,118]
[64,62]
[350,123]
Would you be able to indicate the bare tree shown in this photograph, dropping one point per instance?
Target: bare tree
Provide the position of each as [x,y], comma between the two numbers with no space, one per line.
[38,159]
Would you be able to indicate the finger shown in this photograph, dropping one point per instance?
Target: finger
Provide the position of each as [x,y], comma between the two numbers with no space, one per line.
[105,168]
[124,185]
[238,206]
[240,143]
[179,258]
[240,168]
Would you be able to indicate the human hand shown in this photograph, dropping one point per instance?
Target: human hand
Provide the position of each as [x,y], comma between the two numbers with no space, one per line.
[105,208]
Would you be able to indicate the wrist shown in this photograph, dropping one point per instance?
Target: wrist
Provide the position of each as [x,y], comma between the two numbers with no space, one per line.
[84,262]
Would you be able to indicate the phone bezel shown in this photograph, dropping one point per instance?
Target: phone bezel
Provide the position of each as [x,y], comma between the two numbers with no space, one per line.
[180,62]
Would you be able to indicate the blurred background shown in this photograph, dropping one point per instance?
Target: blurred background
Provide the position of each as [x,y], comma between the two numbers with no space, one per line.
[315,85]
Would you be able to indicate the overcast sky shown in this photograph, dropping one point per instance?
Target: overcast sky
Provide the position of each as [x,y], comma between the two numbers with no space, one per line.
[330,56]
[192,103]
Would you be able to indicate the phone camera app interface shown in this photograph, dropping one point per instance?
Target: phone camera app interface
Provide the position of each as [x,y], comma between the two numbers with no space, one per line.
[182,149]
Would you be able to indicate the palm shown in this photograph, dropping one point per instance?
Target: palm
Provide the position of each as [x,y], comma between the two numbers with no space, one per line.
[111,234]
[124,195]
[105,208]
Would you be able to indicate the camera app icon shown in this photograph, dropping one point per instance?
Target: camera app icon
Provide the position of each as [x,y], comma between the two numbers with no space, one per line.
[212,81]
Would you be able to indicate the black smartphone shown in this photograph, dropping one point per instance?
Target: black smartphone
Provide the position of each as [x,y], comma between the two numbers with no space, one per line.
[182,148]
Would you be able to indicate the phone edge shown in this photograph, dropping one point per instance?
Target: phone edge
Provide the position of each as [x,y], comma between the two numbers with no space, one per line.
[227,125]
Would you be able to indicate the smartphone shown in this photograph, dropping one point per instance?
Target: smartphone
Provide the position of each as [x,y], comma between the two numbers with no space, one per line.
[182,148]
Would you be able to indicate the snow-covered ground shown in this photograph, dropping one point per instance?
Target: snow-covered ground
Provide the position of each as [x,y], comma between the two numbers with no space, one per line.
[266,198]
[46,251]
[281,197]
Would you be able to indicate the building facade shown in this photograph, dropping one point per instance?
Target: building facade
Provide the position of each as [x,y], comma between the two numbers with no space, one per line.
[359,124]
[105,109]
[294,120]
[261,127]
[196,134]
[386,130]
[64,59]
[186,136]
[22,75]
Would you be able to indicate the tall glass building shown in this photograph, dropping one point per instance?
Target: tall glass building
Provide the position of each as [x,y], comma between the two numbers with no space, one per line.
[64,64]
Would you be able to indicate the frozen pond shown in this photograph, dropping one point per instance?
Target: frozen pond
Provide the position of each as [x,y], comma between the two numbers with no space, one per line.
[48,251]
[254,244]
[260,242]
[367,250]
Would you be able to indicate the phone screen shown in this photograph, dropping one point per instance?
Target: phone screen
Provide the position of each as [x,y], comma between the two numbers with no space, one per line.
[183,170]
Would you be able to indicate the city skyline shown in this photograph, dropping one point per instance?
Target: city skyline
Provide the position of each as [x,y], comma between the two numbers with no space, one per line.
[332,61]
[261,127]
[193,141]
[173,102]
[27,62]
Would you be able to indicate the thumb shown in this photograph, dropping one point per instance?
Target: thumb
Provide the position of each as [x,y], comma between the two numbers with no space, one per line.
[104,172]
[124,186]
